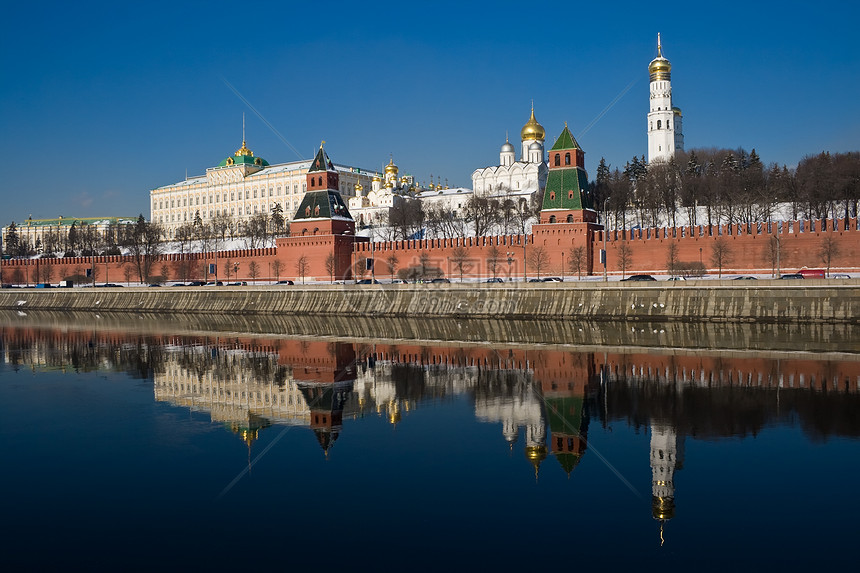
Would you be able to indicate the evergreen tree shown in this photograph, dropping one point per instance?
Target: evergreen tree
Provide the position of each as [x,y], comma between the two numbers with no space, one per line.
[12,240]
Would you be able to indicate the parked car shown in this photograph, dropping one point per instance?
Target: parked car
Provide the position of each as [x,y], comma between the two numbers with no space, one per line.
[553,280]
[636,278]
[744,278]
[155,285]
[535,280]
[495,280]
[440,280]
[367,282]
[285,283]
[792,276]
[398,282]
[178,284]
[215,283]
[840,276]
[676,279]
[238,283]
[197,283]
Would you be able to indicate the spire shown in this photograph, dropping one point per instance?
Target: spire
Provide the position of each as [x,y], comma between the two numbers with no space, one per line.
[659,46]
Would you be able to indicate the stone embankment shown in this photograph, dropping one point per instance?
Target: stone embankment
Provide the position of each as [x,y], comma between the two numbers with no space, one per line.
[763,300]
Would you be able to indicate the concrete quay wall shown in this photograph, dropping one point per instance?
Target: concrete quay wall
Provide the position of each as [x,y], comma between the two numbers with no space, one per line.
[764,300]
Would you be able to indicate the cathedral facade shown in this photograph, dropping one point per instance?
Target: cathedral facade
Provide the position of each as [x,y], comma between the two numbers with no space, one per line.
[516,177]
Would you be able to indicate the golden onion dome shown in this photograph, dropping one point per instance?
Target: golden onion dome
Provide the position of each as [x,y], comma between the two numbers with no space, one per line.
[391,168]
[660,69]
[532,129]
[359,187]
[376,178]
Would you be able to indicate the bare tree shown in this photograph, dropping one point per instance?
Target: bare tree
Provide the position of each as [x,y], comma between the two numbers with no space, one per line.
[361,267]
[460,260]
[576,260]
[494,259]
[625,257]
[331,266]
[828,250]
[253,270]
[302,267]
[538,260]
[143,241]
[772,254]
[228,268]
[721,254]
[393,262]
[276,268]
[672,258]
[127,271]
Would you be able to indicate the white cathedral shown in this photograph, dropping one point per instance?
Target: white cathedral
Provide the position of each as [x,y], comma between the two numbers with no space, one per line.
[512,177]
[664,120]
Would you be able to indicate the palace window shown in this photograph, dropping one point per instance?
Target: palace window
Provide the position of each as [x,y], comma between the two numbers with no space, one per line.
[247,194]
[312,181]
[255,192]
[320,181]
[270,191]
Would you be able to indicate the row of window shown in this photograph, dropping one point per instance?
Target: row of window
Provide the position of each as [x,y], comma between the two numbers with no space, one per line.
[659,124]
[248,210]
[218,198]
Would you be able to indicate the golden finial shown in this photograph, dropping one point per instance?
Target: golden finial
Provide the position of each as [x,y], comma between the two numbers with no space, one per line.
[659,46]
[322,143]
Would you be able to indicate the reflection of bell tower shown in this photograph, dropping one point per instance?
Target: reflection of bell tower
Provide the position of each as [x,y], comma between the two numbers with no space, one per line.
[667,455]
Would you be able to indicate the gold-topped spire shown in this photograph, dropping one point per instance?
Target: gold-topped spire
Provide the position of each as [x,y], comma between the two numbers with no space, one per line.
[244,151]
[660,68]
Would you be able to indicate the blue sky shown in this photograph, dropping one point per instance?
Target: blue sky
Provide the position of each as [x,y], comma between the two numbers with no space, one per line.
[101,102]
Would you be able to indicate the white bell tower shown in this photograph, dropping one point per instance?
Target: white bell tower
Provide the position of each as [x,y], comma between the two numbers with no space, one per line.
[664,120]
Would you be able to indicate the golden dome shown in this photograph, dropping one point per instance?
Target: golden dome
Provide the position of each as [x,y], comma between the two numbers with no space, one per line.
[391,168]
[244,151]
[359,187]
[532,129]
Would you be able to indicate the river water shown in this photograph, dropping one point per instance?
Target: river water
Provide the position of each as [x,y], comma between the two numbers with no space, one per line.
[135,443]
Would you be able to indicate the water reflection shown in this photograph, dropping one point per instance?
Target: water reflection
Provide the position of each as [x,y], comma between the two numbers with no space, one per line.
[546,397]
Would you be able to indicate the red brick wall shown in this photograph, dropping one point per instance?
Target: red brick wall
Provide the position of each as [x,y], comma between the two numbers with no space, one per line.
[747,245]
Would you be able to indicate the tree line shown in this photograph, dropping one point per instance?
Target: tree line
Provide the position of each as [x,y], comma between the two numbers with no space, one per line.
[724,186]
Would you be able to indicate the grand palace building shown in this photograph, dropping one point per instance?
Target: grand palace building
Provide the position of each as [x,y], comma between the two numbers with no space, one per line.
[241,186]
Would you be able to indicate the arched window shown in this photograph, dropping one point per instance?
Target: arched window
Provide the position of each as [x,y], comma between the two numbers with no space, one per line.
[552,195]
[316,211]
[570,194]
[307,211]
[552,219]
[312,182]
[320,181]
[557,160]
[570,218]
[659,124]
[567,158]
